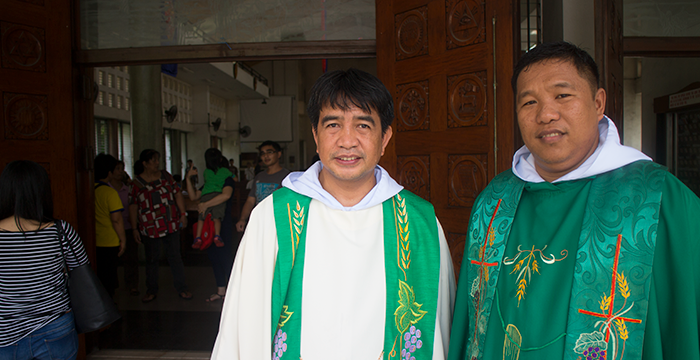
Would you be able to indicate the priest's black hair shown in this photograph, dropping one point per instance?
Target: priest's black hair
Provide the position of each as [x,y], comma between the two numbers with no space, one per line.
[564,51]
[352,88]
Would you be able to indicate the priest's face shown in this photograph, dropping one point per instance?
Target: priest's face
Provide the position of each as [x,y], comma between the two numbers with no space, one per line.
[350,144]
[558,113]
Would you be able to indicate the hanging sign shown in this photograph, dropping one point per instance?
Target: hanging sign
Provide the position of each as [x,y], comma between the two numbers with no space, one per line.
[685,98]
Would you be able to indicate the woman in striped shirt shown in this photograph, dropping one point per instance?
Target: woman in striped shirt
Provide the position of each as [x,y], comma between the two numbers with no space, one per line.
[36,321]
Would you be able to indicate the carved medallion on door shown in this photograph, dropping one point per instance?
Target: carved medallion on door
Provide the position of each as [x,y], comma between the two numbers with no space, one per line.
[25,116]
[414,174]
[467,177]
[465,23]
[23,47]
[466,99]
[411,33]
[413,106]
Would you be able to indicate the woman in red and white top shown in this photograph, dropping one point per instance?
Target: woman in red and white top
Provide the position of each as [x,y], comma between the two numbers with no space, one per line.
[157,212]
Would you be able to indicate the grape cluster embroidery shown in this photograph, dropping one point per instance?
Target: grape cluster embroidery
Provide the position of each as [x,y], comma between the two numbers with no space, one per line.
[280,342]
[412,342]
[594,353]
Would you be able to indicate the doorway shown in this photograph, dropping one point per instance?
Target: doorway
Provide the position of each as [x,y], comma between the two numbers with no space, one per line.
[199,92]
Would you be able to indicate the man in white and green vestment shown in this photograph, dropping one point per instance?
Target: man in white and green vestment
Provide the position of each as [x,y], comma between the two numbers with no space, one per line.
[585,249]
[342,262]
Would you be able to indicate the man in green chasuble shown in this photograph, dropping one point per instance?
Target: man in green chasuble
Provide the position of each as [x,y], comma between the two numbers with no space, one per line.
[342,262]
[585,249]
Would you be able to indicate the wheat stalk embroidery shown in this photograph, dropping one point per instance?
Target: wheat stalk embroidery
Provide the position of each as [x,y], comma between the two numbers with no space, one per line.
[409,312]
[614,322]
[526,264]
[404,240]
[296,226]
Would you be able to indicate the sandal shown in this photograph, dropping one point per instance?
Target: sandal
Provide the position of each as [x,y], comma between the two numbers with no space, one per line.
[148,298]
[186,295]
[215,298]
[218,241]
[197,243]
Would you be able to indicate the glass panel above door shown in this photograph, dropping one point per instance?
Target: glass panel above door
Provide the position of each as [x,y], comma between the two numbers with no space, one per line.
[109,24]
[665,18]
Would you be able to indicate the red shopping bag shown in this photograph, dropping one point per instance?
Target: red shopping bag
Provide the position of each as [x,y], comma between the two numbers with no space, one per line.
[207,233]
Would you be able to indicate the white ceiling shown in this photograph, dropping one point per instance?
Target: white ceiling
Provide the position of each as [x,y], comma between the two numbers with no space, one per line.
[220,83]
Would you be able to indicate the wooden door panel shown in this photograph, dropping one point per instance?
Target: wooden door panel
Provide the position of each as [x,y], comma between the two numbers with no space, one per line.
[437,59]
[29,84]
[464,59]
[37,97]
[36,121]
[466,139]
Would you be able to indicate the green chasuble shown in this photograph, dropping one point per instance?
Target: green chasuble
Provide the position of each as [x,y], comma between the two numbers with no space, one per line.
[531,304]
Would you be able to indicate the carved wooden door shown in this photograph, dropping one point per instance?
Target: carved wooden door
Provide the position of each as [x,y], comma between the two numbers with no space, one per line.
[38,101]
[36,122]
[453,129]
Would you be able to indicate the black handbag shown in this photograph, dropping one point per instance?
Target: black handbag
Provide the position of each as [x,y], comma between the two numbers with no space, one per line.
[93,308]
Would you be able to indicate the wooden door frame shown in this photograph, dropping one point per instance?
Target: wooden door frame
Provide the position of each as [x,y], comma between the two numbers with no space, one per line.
[302,50]
[609,55]
[84,126]
[661,46]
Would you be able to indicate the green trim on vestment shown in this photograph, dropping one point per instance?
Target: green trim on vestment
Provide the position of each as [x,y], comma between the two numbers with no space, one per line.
[412,268]
[291,210]
[614,259]
[489,227]
[412,264]
[622,204]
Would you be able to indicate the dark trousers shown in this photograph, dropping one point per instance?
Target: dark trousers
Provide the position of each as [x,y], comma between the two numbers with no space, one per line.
[171,242]
[222,261]
[107,261]
[130,260]
[222,257]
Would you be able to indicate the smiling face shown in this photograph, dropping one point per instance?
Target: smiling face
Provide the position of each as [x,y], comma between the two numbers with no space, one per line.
[350,143]
[558,114]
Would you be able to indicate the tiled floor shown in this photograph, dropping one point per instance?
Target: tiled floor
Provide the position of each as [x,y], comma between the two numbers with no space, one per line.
[168,327]
[200,280]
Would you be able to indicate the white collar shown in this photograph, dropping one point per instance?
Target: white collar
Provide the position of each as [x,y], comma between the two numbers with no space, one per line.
[609,155]
[307,183]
